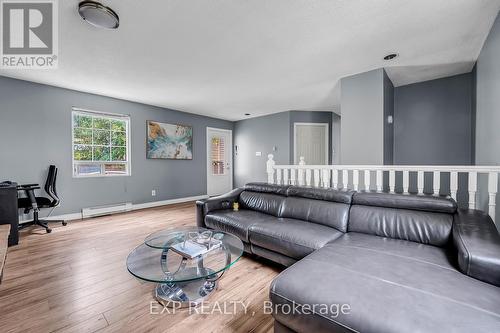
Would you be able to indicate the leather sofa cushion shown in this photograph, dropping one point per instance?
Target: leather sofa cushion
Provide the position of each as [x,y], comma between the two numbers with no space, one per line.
[412,225]
[290,237]
[262,202]
[331,214]
[427,203]
[273,256]
[326,194]
[267,188]
[236,223]
[390,286]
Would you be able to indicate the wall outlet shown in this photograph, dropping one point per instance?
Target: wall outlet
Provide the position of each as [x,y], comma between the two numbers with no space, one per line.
[153,193]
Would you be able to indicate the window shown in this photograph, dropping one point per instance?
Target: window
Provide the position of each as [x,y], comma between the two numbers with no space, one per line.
[218,155]
[100,144]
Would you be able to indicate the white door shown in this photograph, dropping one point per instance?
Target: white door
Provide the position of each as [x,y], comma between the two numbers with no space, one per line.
[219,161]
[311,142]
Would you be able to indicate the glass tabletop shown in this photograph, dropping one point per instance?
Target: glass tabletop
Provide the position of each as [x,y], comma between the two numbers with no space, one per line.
[169,237]
[155,261]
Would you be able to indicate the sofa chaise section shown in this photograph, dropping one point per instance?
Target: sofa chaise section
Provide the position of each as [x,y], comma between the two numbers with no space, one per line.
[389,285]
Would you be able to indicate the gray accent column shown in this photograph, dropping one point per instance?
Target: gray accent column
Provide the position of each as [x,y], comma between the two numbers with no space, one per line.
[362,126]
[487,145]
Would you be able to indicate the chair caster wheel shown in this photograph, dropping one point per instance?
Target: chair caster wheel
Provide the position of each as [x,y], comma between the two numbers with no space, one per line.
[64,223]
[49,230]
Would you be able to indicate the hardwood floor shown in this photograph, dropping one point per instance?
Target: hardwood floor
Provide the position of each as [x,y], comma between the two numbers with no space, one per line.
[75,280]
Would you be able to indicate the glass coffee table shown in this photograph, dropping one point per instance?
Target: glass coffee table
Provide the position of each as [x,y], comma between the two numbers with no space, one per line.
[183,281]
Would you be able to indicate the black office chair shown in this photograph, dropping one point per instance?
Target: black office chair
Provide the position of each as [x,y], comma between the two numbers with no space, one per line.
[32,202]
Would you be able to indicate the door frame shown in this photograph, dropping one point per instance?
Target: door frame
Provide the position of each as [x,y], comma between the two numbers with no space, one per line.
[230,132]
[327,143]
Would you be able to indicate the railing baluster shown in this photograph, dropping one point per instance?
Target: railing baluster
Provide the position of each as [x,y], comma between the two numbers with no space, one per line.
[345,179]
[278,176]
[367,180]
[472,189]
[436,181]
[335,178]
[300,177]
[292,176]
[492,191]
[316,177]
[326,178]
[406,181]
[392,181]
[453,185]
[300,172]
[355,179]
[380,181]
[286,180]
[420,182]
[308,177]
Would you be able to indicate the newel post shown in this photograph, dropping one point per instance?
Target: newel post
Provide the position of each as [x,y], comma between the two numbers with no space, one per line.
[270,168]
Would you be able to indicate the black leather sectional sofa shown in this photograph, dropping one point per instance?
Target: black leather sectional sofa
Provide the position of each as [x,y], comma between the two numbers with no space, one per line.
[367,262]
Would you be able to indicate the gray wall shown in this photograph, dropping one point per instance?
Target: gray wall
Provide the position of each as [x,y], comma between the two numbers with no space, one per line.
[362,126]
[433,125]
[388,128]
[310,117]
[260,134]
[336,132]
[35,131]
[487,145]
[433,122]
[488,100]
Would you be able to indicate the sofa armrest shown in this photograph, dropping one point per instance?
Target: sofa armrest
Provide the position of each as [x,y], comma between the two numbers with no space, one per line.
[478,244]
[225,201]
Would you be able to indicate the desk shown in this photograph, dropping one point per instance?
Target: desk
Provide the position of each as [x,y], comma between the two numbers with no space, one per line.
[8,210]
[4,233]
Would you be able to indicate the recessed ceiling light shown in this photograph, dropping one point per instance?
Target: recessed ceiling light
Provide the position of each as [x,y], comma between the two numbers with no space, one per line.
[390,56]
[247,114]
[98,15]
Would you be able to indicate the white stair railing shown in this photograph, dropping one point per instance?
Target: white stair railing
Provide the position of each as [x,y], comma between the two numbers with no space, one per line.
[371,177]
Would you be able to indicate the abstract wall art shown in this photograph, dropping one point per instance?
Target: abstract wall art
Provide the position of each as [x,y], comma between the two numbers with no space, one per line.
[169,141]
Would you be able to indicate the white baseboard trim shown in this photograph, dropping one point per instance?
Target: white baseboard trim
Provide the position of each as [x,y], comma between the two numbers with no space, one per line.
[151,204]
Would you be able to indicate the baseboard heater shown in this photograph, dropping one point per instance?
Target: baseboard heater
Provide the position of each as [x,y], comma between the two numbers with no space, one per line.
[106,210]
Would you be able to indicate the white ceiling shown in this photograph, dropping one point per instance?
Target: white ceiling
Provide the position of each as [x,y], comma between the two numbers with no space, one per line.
[224,58]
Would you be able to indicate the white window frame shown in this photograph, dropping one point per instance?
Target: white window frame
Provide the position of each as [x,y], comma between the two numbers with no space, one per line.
[93,113]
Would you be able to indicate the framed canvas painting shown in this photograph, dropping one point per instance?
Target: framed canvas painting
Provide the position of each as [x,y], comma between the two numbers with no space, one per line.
[169,141]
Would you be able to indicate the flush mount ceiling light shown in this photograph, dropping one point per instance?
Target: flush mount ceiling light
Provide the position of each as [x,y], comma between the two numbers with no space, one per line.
[98,15]
[390,56]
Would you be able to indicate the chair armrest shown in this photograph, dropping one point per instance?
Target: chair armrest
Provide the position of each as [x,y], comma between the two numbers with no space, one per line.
[28,187]
[225,201]
[478,245]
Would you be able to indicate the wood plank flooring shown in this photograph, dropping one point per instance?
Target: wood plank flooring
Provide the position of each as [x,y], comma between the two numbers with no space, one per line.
[75,280]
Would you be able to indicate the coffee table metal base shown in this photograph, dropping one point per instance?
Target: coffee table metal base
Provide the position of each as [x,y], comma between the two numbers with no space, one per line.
[186,294]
